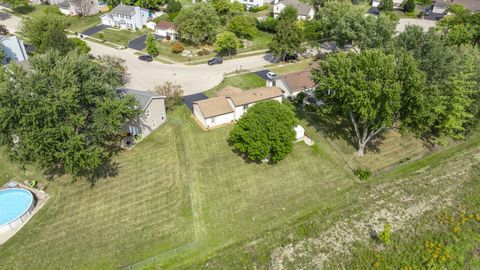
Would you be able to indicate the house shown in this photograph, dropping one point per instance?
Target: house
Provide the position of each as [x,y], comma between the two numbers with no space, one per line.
[305,12]
[214,111]
[154,113]
[294,83]
[13,48]
[167,30]
[441,6]
[126,17]
[76,7]
[230,104]
[397,4]
[250,3]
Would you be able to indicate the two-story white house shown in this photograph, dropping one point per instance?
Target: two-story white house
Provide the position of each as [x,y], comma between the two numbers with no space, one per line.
[305,12]
[13,48]
[230,104]
[250,3]
[126,17]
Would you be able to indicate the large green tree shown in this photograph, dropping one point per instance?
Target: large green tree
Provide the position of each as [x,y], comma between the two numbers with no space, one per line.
[47,32]
[377,32]
[386,5]
[151,45]
[264,132]
[363,88]
[226,42]
[65,114]
[288,37]
[198,23]
[340,22]
[243,26]
[451,74]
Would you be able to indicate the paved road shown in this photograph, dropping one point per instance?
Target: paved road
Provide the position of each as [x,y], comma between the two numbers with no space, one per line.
[425,24]
[194,78]
[10,21]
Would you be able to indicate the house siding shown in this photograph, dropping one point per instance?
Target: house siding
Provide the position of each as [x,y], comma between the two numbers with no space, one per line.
[250,3]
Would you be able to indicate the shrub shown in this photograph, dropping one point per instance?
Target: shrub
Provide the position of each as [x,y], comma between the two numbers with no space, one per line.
[205,51]
[363,174]
[265,131]
[299,98]
[268,25]
[409,6]
[385,235]
[200,53]
[173,6]
[178,47]
[257,9]
[100,35]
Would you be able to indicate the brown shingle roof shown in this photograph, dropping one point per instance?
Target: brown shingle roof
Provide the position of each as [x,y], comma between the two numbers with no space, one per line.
[228,91]
[165,25]
[298,81]
[214,106]
[255,95]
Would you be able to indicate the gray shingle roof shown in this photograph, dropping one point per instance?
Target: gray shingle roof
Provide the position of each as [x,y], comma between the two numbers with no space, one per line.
[124,9]
[142,97]
[303,9]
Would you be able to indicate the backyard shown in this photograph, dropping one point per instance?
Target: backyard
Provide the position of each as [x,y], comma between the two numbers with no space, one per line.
[146,209]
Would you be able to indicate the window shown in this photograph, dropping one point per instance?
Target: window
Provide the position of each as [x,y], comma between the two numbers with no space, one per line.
[245,107]
[133,130]
[154,124]
[147,113]
[213,120]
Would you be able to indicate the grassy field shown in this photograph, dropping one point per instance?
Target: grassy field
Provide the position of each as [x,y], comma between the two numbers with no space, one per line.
[337,234]
[286,68]
[143,211]
[244,81]
[387,150]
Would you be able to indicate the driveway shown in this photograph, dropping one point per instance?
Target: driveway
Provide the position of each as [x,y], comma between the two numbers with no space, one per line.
[262,73]
[189,100]
[425,24]
[139,43]
[93,30]
[10,21]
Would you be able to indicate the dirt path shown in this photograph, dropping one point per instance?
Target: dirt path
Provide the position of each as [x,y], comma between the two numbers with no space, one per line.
[397,202]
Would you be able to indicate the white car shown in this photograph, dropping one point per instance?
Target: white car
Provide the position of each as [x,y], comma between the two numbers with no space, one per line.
[271,75]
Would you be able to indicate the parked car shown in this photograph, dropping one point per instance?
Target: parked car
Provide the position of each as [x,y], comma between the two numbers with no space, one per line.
[271,75]
[146,58]
[214,61]
[291,58]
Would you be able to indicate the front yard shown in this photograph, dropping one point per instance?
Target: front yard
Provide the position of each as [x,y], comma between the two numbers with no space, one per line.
[120,37]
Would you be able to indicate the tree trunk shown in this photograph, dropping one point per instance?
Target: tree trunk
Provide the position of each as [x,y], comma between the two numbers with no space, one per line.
[361,149]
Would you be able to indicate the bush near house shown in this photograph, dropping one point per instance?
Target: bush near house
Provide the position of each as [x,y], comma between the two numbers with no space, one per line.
[265,132]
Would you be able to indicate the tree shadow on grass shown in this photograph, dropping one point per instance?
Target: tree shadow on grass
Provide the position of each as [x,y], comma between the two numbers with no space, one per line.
[335,128]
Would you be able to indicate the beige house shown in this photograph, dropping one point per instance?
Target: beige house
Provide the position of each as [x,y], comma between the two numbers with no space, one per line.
[294,83]
[154,113]
[231,103]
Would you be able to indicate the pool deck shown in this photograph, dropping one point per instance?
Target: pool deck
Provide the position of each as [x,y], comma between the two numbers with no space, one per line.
[41,198]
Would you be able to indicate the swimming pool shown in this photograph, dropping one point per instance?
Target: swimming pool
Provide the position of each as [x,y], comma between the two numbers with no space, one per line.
[16,206]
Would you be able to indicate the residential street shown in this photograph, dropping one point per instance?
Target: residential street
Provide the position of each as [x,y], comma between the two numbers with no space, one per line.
[193,78]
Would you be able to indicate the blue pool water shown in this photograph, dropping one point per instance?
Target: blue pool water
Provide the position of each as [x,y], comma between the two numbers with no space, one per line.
[13,204]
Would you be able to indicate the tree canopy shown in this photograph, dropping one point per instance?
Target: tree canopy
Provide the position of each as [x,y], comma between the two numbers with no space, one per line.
[65,115]
[363,88]
[264,132]
[288,37]
[226,42]
[47,32]
[151,45]
[243,26]
[198,23]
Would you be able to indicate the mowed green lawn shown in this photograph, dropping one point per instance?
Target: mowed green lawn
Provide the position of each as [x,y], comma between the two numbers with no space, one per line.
[235,198]
[143,211]
[146,209]
[120,37]
[244,81]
